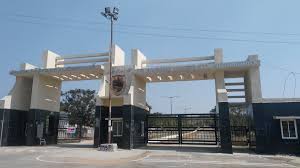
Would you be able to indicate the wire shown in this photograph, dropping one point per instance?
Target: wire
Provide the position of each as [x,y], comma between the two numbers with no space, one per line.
[157,27]
[295,83]
[166,35]
[280,68]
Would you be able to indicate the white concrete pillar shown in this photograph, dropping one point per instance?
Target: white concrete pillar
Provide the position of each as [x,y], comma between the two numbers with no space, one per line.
[253,83]
[118,56]
[26,66]
[46,93]
[49,59]
[19,96]
[118,59]
[137,58]
[218,53]
[221,93]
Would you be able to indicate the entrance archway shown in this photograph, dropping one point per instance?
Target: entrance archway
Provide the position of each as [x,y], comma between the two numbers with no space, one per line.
[37,91]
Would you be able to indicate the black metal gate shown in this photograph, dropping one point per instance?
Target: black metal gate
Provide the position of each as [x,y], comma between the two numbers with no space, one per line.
[182,129]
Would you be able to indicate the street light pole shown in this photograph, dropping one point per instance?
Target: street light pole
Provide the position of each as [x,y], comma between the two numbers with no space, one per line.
[171,102]
[112,16]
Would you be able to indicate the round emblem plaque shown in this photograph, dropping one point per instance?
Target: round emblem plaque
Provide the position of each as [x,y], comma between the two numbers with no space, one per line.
[118,84]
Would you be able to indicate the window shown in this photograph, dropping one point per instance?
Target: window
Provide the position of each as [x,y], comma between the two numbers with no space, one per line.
[288,129]
[117,126]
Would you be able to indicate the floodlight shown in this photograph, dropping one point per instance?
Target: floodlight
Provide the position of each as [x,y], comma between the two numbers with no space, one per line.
[116,10]
[107,10]
[115,17]
[104,14]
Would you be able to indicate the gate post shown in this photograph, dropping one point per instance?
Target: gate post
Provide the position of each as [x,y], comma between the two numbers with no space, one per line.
[224,124]
[146,129]
[179,121]
[216,128]
[222,106]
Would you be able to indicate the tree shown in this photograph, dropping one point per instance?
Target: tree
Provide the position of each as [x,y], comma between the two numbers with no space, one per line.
[213,110]
[238,115]
[80,105]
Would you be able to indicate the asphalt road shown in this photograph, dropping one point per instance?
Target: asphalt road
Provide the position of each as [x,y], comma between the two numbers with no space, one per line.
[66,157]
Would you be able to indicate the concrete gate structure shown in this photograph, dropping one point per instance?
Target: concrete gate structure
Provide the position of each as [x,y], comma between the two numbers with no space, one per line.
[32,106]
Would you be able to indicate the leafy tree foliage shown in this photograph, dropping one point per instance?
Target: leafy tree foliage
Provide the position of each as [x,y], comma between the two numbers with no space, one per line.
[238,115]
[80,105]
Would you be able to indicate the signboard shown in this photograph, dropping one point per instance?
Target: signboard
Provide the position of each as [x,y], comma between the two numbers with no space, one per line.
[71,130]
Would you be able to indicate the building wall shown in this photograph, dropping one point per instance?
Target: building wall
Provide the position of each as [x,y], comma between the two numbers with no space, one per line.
[37,116]
[132,117]
[268,132]
[20,95]
[14,127]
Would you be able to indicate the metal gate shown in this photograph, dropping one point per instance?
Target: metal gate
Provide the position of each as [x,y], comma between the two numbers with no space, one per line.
[182,129]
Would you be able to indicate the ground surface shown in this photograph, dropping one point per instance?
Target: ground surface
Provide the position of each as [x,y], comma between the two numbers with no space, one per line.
[79,156]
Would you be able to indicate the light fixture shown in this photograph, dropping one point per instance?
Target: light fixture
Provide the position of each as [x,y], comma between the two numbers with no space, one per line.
[111,15]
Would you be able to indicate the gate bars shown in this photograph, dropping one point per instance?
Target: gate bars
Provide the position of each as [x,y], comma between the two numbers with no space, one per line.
[182,129]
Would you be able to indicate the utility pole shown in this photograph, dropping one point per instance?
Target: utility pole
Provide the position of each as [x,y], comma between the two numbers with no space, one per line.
[112,16]
[187,108]
[171,101]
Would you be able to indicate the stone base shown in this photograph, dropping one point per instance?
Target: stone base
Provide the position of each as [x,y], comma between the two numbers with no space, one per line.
[108,147]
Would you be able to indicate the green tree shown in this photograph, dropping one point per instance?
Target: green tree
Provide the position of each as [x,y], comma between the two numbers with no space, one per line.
[80,105]
[238,115]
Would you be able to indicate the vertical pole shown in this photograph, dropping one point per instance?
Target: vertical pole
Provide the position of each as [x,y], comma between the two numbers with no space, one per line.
[216,128]
[2,124]
[146,128]
[179,120]
[171,103]
[110,80]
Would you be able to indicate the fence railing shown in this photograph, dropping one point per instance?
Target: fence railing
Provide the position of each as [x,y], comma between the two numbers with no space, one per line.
[63,134]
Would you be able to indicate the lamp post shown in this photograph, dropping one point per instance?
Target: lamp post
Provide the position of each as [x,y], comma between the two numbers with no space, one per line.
[171,101]
[112,16]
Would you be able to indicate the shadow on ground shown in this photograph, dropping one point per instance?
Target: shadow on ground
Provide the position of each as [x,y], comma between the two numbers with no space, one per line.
[72,145]
[81,144]
[195,148]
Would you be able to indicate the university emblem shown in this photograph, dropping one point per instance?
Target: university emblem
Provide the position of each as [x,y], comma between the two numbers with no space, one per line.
[118,84]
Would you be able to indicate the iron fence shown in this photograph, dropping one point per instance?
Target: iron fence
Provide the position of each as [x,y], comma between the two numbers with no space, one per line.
[182,129]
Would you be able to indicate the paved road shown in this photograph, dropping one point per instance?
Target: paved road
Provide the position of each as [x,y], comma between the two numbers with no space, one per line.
[66,157]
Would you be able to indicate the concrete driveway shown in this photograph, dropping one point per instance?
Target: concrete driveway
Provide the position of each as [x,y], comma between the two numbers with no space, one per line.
[152,157]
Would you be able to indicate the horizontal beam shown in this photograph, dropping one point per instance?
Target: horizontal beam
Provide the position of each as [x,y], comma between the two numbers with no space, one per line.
[83,56]
[234,84]
[235,90]
[286,117]
[62,62]
[190,59]
[236,97]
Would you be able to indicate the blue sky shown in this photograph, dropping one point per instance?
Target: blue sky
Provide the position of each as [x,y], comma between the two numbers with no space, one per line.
[270,29]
